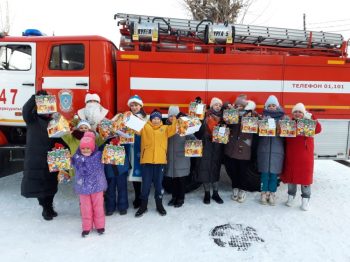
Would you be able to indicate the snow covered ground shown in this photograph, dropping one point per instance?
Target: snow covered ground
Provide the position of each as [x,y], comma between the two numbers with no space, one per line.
[250,232]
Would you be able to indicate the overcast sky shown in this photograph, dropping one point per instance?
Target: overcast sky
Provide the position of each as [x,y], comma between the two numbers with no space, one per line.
[78,17]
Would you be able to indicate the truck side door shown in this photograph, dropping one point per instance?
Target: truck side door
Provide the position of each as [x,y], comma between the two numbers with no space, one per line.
[67,74]
[17,80]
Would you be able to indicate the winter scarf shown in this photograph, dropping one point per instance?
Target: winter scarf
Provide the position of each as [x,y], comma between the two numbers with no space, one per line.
[277,115]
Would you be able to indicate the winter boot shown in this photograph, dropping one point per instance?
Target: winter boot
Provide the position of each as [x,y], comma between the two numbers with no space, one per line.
[172,201]
[100,231]
[305,203]
[263,198]
[123,212]
[272,198]
[206,199]
[235,194]
[160,208]
[142,209]
[179,203]
[241,196]
[217,198]
[51,211]
[290,201]
[85,233]
[46,214]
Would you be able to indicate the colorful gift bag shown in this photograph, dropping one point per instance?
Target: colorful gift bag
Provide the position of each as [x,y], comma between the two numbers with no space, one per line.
[221,135]
[105,129]
[267,127]
[187,125]
[59,159]
[249,125]
[287,128]
[306,127]
[193,148]
[127,140]
[46,104]
[196,110]
[58,127]
[231,116]
[114,155]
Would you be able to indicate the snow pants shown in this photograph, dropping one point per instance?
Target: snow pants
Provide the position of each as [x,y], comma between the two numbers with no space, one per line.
[92,211]
[117,183]
[152,173]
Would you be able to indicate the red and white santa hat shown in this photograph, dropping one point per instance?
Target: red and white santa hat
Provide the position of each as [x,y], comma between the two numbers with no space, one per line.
[92,97]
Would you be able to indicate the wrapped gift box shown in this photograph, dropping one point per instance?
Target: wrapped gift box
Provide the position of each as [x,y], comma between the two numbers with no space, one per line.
[287,128]
[306,127]
[267,127]
[187,125]
[46,104]
[249,125]
[196,110]
[193,148]
[221,134]
[58,127]
[59,159]
[105,129]
[231,116]
[114,155]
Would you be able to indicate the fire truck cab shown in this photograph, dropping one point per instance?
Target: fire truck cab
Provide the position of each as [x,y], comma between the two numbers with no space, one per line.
[171,61]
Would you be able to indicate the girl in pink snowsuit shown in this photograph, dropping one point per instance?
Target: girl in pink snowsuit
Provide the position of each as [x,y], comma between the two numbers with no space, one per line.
[90,182]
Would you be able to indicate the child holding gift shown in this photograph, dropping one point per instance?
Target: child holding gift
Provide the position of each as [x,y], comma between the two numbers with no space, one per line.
[299,161]
[178,166]
[90,183]
[154,145]
[135,104]
[270,153]
[209,165]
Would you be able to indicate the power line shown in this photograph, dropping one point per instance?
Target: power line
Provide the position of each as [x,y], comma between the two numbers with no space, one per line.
[331,21]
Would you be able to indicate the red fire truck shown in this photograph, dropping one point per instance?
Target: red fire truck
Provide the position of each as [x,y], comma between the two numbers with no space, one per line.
[172,61]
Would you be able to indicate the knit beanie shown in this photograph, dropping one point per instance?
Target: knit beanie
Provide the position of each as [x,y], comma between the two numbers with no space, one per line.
[299,107]
[272,100]
[90,134]
[173,110]
[250,105]
[240,101]
[87,142]
[135,99]
[83,122]
[214,101]
[155,114]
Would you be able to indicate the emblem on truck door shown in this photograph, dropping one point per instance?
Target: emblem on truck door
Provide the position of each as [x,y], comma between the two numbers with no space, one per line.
[66,98]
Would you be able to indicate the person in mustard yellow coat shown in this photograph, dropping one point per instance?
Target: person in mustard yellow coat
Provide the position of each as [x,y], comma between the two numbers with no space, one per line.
[154,145]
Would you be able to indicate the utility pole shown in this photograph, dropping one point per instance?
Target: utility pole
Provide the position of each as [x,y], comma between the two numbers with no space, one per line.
[304,22]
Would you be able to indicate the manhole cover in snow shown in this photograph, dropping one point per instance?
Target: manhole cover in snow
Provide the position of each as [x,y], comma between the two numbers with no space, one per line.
[234,235]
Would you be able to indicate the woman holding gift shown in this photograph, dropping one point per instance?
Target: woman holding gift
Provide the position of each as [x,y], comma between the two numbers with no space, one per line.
[89,184]
[178,166]
[135,104]
[238,150]
[37,181]
[154,145]
[299,161]
[270,153]
[209,165]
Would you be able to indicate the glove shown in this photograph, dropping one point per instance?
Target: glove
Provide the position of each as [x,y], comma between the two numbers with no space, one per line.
[307,115]
[41,93]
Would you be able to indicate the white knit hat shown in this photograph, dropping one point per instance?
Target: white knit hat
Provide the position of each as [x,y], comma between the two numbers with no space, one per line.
[173,110]
[272,100]
[250,105]
[299,107]
[83,122]
[92,97]
[214,101]
[135,99]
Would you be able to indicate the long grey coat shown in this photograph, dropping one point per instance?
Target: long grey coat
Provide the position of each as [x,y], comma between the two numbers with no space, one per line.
[270,154]
[178,165]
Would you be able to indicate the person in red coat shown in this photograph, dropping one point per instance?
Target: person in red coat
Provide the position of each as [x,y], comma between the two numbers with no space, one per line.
[299,160]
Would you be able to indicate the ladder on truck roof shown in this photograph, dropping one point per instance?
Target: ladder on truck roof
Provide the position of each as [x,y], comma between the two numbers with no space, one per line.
[208,32]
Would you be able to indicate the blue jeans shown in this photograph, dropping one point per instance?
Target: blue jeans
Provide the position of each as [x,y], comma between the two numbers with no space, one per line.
[152,173]
[119,183]
[268,182]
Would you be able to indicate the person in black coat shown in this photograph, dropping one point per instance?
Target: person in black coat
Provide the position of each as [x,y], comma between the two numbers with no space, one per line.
[37,181]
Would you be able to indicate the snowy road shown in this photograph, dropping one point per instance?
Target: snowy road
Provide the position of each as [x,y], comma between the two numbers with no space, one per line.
[251,232]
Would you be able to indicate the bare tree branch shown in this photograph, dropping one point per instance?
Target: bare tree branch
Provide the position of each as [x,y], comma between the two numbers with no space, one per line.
[4,17]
